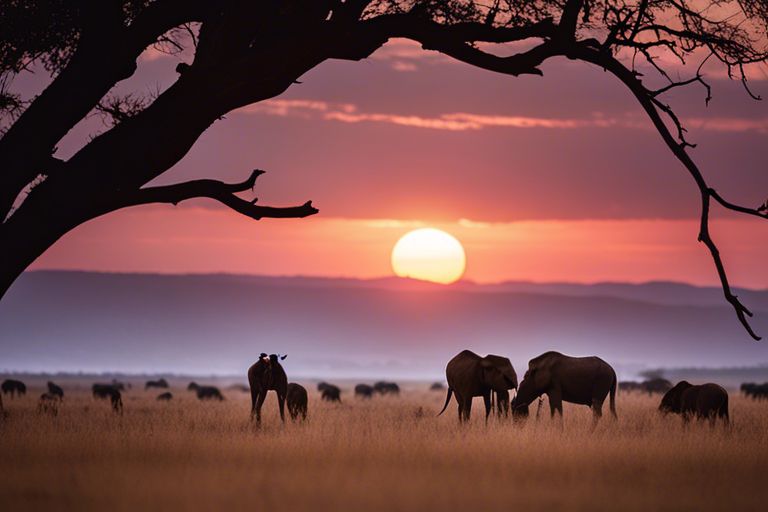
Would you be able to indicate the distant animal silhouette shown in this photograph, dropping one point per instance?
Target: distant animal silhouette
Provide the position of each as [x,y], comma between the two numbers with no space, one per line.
[14,388]
[158,384]
[755,391]
[630,385]
[205,392]
[48,404]
[321,386]
[120,386]
[656,385]
[296,400]
[469,375]
[579,380]
[704,401]
[331,393]
[239,387]
[386,388]
[267,374]
[364,391]
[110,391]
[164,397]
[55,390]
[437,386]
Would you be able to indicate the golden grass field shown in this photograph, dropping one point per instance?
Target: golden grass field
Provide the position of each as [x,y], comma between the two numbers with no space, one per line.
[387,454]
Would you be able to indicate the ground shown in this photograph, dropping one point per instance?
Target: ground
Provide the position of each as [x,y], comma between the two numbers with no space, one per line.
[387,454]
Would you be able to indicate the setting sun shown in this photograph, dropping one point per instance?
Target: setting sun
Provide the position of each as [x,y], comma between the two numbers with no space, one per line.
[429,254]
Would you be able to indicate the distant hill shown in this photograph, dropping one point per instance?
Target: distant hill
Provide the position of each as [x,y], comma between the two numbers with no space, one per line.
[218,324]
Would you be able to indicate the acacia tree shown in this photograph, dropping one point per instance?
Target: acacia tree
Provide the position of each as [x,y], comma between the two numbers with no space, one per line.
[246,51]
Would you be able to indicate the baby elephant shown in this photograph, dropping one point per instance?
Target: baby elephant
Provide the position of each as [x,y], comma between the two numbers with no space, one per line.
[708,401]
[296,400]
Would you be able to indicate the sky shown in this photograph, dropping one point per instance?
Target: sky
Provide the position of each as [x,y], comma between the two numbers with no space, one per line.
[553,178]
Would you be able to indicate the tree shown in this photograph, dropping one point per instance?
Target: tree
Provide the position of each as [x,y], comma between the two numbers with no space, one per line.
[247,51]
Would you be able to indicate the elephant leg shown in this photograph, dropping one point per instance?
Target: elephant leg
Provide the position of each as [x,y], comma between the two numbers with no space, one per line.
[487,403]
[259,403]
[555,403]
[467,409]
[281,406]
[254,399]
[460,403]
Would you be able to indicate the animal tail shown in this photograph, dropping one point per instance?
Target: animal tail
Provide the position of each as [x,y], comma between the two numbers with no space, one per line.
[447,401]
[613,396]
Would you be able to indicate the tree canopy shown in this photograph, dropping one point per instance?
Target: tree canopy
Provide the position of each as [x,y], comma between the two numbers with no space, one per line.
[246,52]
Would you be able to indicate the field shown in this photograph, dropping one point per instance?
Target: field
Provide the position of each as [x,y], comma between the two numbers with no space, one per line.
[388,454]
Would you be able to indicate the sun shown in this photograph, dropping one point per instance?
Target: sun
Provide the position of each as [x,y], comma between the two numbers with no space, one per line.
[429,254]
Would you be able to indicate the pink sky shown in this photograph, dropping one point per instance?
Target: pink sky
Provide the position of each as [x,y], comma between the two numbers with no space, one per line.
[561,176]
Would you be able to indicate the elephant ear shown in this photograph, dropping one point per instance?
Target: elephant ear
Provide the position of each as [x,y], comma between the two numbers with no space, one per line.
[492,375]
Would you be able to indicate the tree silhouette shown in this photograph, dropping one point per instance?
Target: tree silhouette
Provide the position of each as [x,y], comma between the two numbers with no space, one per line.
[247,51]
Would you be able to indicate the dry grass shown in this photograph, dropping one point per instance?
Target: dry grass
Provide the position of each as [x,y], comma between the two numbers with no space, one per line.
[387,454]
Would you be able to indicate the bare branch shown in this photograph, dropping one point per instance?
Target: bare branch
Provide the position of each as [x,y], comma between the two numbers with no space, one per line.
[225,193]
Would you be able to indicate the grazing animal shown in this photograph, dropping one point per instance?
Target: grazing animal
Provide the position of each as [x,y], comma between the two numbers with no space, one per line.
[322,385]
[164,397]
[705,401]
[14,388]
[656,385]
[331,393]
[159,383]
[437,386]
[104,391]
[470,375]
[55,390]
[48,404]
[267,374]
[205,392]
[578,380]
[755,391]
[364,391]
[120,386]
[386,388]
[296,399]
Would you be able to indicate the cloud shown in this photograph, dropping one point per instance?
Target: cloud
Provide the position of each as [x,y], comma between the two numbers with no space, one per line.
[464,121]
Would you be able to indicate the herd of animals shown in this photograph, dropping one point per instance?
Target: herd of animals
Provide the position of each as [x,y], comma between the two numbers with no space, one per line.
[579,380]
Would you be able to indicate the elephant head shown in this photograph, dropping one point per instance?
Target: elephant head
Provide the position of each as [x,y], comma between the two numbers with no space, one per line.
[498,373]
[535,383]
[673,399]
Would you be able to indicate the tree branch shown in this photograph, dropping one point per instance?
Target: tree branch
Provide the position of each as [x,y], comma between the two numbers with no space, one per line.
[222,192]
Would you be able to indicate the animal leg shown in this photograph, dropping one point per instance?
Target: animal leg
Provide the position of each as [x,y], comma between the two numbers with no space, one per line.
[281,406]
[487,403]
[467,408]
[259,403]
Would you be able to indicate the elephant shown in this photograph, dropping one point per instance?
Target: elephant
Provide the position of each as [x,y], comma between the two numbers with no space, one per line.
[205,392]
[264,375]
[656,385]
[159,384]
[331,393]
[578,380]
[704,401]
[165,397]
[14,387]
[48,404]
[386,388]
[470,375]
[502,403]
[364,391]
[111,392]
[296,399]
[55,390]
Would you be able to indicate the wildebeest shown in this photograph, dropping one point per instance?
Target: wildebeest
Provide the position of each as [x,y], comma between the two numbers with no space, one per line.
[296,399]
[267,374]
[704,401]
[13,387]
[329,392]
[386,388]
[48,404]
[364,391]
[470,375]
[110,391]
[120,386]
[755,391]
[164,397]
[55,390]
[656,385]
[205,392]
[579,380]
[159,384]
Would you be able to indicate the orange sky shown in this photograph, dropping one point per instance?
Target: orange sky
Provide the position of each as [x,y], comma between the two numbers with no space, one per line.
[168,240]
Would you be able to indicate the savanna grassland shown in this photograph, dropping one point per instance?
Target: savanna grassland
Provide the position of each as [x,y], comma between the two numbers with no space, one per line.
[387,454]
